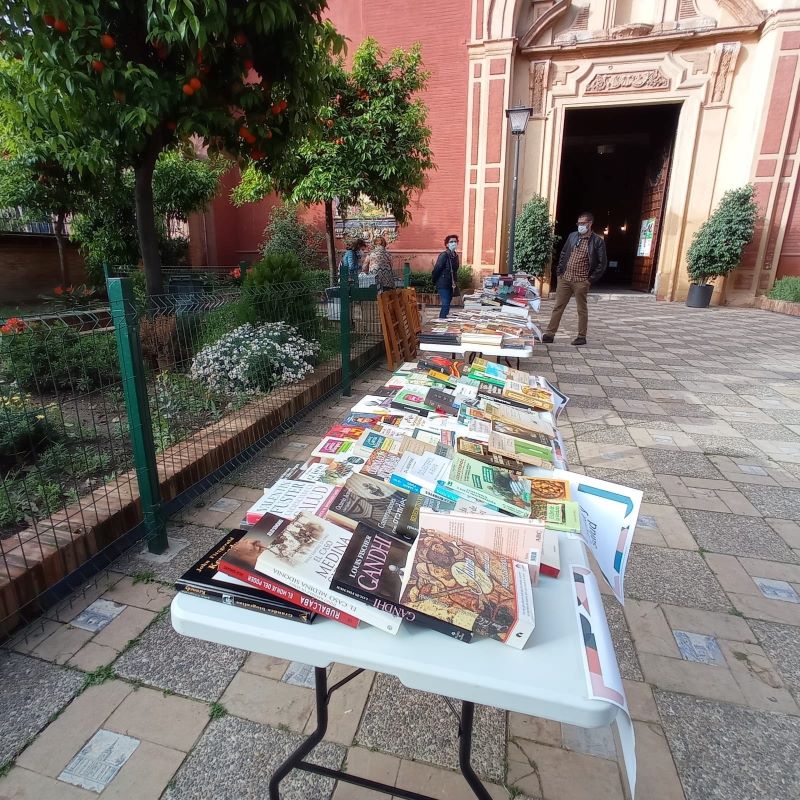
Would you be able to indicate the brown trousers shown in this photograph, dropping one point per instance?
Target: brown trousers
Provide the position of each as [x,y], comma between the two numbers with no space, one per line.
[564,291]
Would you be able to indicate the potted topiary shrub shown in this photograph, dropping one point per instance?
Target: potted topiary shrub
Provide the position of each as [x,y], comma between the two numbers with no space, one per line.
[717,247]
[534,237]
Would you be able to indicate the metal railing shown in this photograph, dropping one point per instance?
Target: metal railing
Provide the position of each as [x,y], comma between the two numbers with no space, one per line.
[108,426]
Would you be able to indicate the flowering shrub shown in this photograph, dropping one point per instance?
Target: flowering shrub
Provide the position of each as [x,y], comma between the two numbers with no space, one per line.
[249,359]
[13,325]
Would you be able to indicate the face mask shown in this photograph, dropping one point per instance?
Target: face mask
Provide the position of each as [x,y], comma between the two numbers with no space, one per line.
[451,246]
[582,229]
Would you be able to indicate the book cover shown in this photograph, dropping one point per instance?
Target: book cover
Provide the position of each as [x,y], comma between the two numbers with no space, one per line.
[335,447]
[420,473]
[539,399]
[472,587]
[441,400]
[549,489]
[341,431]
[287,498]
[520,539]
[480,452]
[381,464]
[412,400]
[372,404]
[372,569]
[327,470]
[448,366]
[370,420]
[491,485]
[204,579]
[544,443]
[518,449]
[304,555]
[377,504]
[558,515]
[530,420]
[239,561]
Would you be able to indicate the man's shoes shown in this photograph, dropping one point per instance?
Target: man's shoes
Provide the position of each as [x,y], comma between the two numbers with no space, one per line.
[579,340]
[548,338]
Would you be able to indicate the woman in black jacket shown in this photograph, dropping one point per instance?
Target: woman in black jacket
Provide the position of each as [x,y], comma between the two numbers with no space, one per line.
[445,274]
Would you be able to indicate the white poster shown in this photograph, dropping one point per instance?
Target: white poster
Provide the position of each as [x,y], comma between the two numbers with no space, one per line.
[646,237]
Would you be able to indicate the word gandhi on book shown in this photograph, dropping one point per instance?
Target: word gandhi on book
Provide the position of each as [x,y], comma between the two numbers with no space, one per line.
[374,562]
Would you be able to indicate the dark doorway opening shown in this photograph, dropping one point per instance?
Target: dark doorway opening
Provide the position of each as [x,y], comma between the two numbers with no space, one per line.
[615,162]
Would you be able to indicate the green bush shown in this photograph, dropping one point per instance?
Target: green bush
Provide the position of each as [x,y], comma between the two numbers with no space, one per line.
[25,427]
[48,359]
[716,248]
[786,289]
[422,282]
[534,237]
[464,278]
[277,290]
[285,233]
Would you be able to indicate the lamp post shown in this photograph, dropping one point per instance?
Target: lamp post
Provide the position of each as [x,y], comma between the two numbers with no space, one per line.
[518,117]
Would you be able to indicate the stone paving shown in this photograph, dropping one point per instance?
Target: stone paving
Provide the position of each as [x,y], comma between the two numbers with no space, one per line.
[698,408]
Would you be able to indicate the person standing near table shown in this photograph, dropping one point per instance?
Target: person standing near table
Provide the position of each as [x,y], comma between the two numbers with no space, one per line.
[445,274]
[379,262]
[352,258]
[583,261]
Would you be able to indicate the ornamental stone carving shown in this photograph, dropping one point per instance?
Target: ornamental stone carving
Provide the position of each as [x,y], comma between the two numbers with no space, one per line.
[538,86]
[641,80]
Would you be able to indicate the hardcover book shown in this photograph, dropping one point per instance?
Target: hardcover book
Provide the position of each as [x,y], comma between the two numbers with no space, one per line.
[472,587]
[381,506]
[372,571]
[204,579]
[304,555]
[441,400]
[287,498]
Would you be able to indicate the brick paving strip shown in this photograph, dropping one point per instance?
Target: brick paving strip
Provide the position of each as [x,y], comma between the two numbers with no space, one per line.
[699,409]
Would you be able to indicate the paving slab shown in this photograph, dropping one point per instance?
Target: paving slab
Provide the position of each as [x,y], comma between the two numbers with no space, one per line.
[421,726]
[679,577]
[165,659]
[737,535]
[235,759]
[782,644]
[31,692]
[679,462]
[728,752]
[774,501]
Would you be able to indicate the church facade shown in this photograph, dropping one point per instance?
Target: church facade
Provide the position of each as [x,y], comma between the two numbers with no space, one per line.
[644,112]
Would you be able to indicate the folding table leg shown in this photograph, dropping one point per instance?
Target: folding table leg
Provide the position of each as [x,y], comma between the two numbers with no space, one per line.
[465,751]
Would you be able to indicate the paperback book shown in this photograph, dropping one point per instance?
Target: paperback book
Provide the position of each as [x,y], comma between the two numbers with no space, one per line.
[372,569]
[287,498]
[304,555]
[420,473]
[471,587]
[377,504]
[480,452]
[205,579]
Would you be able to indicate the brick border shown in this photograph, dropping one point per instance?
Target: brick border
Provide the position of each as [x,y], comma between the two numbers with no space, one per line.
[37,558]
[778,306]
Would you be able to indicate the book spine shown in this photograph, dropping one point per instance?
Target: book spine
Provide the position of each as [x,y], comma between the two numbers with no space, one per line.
[522,628]
[289,594]
[221,596]
[406,614]
[372,616]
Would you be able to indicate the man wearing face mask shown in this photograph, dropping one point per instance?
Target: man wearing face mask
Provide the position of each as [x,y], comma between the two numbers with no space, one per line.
[445,274]
[583,261]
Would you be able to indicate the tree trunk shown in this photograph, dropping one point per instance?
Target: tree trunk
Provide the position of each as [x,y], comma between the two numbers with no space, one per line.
[145,216]
[62,260]
[329,240]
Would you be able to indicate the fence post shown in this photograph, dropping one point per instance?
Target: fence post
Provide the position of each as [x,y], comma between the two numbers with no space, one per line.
[406,274]
[106,271]
[129,347]
[344,322]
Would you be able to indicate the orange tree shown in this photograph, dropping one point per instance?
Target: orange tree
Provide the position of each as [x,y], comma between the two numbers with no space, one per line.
[371,139]
[244,77]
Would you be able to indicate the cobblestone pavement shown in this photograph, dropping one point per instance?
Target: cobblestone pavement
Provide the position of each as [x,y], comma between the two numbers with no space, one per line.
[698,408]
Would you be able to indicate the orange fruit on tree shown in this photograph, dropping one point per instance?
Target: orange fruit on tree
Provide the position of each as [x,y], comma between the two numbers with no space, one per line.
[196,84]
[61,26]
[98,66]
[48,20]
[108,42]
[268,134]
[188,89]
[240,39]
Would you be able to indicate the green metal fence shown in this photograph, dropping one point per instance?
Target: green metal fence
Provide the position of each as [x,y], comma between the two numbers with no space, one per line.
[110,422]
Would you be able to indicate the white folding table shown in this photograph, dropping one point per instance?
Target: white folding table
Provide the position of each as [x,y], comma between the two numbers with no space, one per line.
[546,679]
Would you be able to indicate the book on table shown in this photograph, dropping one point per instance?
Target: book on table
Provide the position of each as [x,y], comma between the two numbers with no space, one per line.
[239,561]
[471,587]
[412,399]
[304,554]
[371,571]
[204,579]
[480,451]
[286,498]
[493,486]
[531,396]
[420,473]
[536,421]
[519,450]
[520,539]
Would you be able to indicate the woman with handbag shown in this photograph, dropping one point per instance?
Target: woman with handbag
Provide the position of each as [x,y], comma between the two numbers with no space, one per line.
[445,275]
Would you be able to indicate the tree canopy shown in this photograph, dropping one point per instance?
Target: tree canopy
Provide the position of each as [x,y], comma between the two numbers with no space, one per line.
[370,139]
[245,78]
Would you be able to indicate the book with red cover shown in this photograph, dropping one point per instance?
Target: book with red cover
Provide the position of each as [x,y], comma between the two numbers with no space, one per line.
[240,562]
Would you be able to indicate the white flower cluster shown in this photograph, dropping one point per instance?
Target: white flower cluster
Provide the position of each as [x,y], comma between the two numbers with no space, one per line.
[249,359]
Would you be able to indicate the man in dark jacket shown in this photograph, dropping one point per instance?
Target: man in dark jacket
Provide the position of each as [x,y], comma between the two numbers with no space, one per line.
[445,274]
[583,261]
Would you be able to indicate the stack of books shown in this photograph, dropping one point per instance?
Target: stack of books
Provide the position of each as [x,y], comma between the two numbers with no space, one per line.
[513,294]
[415,509]
[478,327]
